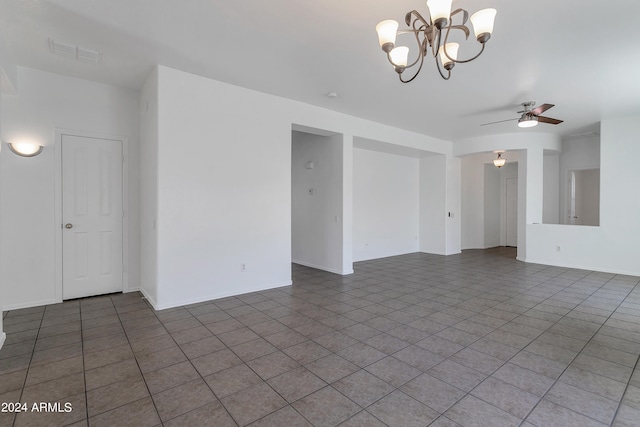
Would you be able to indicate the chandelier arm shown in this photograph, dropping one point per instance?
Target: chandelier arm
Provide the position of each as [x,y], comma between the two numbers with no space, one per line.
[448,76]
[421,57]
[435,46]
[417,17]
[470,59]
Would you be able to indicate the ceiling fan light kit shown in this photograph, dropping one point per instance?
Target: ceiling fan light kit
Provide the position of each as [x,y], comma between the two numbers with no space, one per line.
[530,116]
[429,36]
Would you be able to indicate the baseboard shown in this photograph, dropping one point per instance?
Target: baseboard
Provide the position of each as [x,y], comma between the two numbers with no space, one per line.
[211,297]
[319,267]
[9,307]
[3,337]
[151,301]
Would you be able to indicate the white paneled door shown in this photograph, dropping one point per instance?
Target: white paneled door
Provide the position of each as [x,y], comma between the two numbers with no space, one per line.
[92,215]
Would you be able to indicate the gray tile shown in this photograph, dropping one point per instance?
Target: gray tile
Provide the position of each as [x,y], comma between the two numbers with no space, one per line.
[171,376]
[363,388]
[306,352]
[393,371]
[506,397]
[126,370]
[433,392]
[141,413]
[583,402]
[253,349]
[117,394]
[251,404]
[331,368]
[326,407]
[195,349]
[215,362]
[53,370]
[457,375]
[594,383]
[552,415]
[524,379]
[471,411]
[273,364]
[418,357]
[77,412]
[184,398]
[361,354]
[399,410]
[286,416]
[362,419]
[627,417]
[56,389]
[160,359]
[232,380]
[296,384]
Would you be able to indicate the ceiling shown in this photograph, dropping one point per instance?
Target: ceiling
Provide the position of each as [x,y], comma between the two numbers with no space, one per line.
[550,51]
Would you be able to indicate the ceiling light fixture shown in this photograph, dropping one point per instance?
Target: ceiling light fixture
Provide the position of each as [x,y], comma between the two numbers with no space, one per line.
[429,35]
[528,120]
[500,161]
[25,149]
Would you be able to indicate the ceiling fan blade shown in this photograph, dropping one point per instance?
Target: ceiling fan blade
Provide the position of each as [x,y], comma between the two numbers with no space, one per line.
[501,121]
[542,119]
[541,109]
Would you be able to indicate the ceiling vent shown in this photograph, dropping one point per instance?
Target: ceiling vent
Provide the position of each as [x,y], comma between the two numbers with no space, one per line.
[74,52]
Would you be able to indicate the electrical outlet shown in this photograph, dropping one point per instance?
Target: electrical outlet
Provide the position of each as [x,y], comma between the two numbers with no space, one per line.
[557,248]
[243,268]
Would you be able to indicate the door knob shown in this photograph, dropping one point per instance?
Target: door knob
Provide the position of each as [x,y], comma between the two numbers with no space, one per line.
[68,225]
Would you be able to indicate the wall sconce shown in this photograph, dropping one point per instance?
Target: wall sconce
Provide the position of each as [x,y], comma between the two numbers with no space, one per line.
[500,161]
[25,149]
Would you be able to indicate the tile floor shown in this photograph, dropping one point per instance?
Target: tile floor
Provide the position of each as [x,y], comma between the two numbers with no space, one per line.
[477,339]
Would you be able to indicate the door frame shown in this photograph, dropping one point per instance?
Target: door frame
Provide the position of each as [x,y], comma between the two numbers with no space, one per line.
[59,133]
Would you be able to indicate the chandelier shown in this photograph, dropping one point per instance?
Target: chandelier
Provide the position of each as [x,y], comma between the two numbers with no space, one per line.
[429,36]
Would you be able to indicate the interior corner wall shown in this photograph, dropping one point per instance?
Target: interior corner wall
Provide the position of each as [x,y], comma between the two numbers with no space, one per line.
[3,335]
[433,204]
[551,191]
[577,154]
[492,203]
[224,190]
[613,246]
[472,212]
[44,102]
[149,188]
[316,197]
[453,205]
[385,204]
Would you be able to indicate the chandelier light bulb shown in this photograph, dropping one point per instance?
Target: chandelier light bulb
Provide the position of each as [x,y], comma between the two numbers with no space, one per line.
[399,56]
[439,11]
[387,31]
[482,22]
[450,56]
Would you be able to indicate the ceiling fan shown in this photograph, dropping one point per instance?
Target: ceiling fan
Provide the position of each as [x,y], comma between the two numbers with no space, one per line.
[531,116]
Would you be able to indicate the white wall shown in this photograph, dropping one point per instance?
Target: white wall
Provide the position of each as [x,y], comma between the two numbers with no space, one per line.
[473,207]
[3,336]
[433,205]
[493,197]
[551,190]
[613,246]
[224,185]
[385,204]
[316,198]
[44,102]
[577,154]
[149,188]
